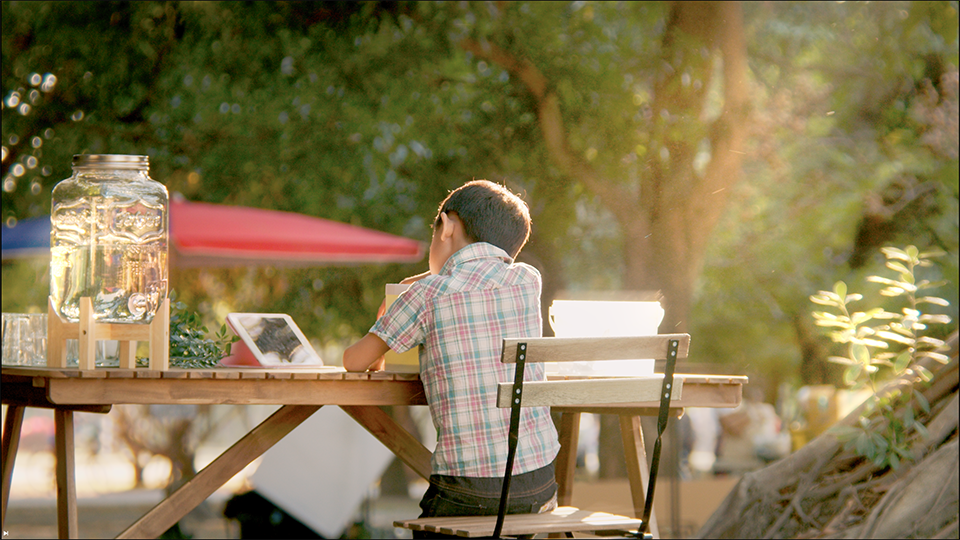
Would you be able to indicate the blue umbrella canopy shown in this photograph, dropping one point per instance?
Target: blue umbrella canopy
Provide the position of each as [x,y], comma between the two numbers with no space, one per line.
[27,238]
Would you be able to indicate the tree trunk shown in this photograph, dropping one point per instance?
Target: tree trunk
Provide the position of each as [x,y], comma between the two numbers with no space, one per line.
[825,491]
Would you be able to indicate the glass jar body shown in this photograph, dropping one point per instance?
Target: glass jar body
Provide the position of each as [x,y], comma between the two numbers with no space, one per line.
[108,240]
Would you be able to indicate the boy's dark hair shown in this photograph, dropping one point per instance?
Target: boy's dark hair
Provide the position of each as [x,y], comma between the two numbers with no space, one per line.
[490,213]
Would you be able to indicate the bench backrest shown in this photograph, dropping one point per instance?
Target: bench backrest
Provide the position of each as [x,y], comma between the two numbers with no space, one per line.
[593,391]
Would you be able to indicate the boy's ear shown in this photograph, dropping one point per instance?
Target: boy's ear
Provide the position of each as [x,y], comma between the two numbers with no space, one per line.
[447,225]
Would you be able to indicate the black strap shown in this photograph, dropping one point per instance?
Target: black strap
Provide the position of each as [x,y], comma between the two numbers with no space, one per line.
[513,435]
[665,394]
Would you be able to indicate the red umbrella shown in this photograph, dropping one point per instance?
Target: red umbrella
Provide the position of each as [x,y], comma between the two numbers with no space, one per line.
[215,235]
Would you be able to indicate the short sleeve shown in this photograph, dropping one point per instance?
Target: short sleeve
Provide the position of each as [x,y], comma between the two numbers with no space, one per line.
[402,327]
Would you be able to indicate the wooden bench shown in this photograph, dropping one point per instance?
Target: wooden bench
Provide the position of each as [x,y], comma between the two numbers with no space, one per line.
[567,393]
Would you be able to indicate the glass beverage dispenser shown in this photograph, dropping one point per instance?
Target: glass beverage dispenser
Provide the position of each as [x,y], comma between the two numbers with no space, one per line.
[108,240]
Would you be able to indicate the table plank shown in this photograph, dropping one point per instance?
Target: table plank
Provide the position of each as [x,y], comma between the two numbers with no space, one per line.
[156,391]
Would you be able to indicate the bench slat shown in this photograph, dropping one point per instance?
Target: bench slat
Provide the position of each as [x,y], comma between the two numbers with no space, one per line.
[589,391]
[563,519]
[553,349]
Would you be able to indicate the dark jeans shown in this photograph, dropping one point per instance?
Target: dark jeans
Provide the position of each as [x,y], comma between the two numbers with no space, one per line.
[530,493]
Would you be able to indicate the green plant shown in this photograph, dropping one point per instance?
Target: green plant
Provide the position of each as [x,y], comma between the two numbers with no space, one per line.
[884,345]
[189,346]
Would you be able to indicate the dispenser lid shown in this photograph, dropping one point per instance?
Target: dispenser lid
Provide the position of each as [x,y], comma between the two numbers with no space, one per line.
[111,161]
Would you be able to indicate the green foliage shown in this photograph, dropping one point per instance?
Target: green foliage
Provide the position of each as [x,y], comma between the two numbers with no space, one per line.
[189,346]
[883,345]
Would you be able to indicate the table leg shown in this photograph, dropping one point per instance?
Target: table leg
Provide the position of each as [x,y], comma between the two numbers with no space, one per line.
[213,476]
[67,526]
[398,440]
[637,469]
[11,442]
[566,463]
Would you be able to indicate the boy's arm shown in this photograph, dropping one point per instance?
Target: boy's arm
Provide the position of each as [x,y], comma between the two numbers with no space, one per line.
[366,354]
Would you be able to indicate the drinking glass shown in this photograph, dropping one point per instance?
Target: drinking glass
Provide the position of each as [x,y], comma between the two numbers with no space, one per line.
[24,339]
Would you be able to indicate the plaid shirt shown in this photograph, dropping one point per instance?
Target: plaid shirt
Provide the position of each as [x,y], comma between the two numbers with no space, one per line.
[460,317]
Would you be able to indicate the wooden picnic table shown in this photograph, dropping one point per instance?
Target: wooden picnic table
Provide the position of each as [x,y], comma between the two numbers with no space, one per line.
[300,392]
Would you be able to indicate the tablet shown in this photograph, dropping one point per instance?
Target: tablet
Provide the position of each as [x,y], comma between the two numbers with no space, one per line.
[274,339]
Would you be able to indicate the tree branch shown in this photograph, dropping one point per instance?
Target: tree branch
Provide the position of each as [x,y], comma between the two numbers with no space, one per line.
[616,199]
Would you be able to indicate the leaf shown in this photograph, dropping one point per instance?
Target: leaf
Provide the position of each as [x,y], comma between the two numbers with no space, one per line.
[874,343]
[924,373]
[894,253]
[840,289]
[880,444]
[922,401]
[897,267]
[852,373]
[828,295]
[931,341]
[882,280]
[902,361]
[933,300]
[935,319]
[932,254]
[912,252]
[942,358]
[932,285]
[844,433]
[893,336]
[865,445]
[828,322]
[822,300]
[860,353]
[879,313]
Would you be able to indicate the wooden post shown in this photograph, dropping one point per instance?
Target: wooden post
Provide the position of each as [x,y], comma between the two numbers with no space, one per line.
[566,463]
[160,338]
[11,442]
[67,524]
[88,335]
[637,469]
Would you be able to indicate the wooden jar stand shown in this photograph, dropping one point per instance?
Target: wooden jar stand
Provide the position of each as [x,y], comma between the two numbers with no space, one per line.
[88,332]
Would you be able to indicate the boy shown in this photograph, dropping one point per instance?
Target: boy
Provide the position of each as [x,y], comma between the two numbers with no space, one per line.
[459,312]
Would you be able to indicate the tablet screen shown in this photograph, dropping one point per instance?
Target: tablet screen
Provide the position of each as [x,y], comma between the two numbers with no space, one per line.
[273,338]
